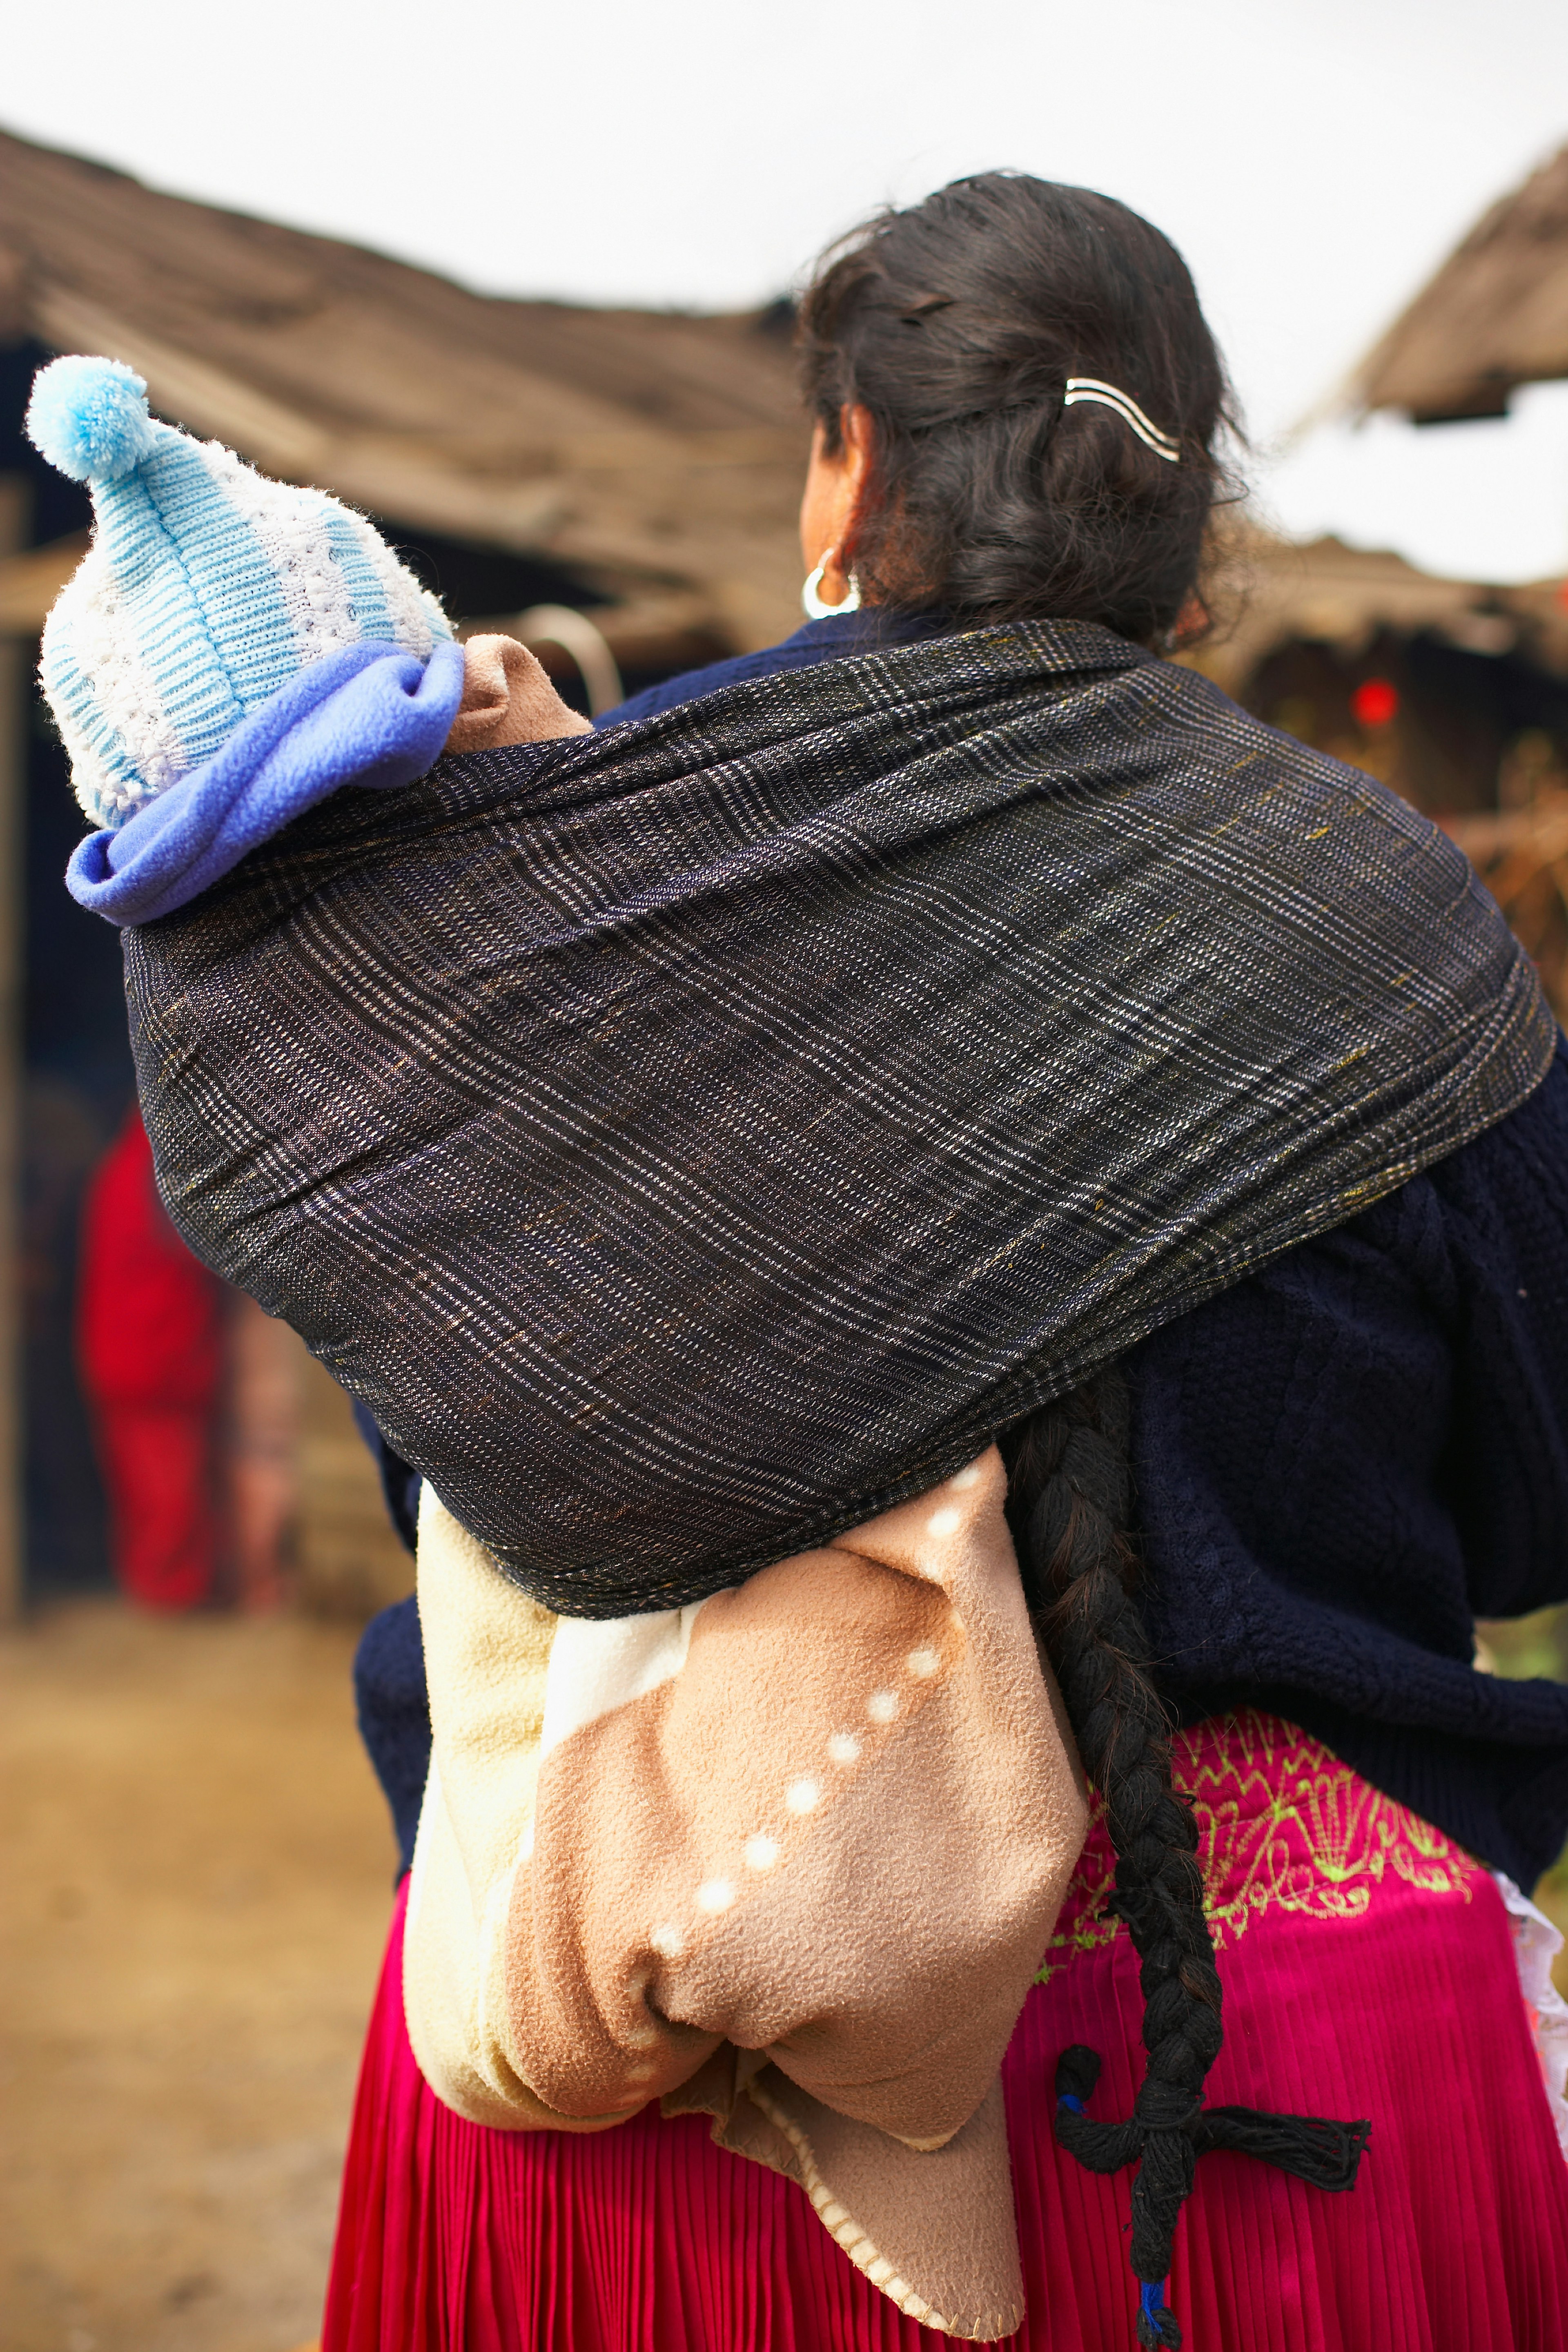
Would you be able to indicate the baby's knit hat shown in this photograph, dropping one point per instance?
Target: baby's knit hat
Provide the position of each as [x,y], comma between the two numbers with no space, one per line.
[206,588]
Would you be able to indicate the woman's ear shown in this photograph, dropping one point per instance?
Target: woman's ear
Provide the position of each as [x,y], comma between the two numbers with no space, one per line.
[858,436]
[837,482]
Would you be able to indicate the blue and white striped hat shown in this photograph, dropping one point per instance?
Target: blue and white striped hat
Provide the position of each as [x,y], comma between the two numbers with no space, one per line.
[206,587]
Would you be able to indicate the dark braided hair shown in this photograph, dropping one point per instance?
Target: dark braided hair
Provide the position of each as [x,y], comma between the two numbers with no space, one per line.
[957,325]
[1069,1505]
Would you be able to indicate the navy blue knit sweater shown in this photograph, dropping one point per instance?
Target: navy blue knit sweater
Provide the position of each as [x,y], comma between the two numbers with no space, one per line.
[1340,1463]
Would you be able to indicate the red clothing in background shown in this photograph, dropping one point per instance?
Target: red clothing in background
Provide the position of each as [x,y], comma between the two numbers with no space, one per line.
[149,1344]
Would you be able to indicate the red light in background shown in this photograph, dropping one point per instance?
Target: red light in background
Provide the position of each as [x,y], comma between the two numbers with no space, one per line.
[1375,702]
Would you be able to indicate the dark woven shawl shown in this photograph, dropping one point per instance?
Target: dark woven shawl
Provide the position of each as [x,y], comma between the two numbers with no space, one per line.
[691,1139]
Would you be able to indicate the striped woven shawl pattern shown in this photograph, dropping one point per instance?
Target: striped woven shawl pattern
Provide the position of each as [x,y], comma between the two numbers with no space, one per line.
[691,1140]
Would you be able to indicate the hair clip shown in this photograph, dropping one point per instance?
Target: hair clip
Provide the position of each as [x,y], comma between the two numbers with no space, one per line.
[1089,387]
[924,307]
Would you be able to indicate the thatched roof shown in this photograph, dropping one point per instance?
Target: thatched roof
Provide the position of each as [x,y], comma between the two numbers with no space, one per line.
[657,455]
[648,452]
[1272,591]
[1495,316]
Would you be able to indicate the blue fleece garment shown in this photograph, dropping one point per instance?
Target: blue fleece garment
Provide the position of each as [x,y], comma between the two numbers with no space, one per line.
[366,715]
[1340,1463]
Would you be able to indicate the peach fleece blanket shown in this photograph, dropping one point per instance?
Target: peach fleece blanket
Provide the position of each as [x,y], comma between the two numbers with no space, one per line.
[789,1857]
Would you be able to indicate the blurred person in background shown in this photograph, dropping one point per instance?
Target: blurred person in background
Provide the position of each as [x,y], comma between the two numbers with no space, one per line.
[191,1400]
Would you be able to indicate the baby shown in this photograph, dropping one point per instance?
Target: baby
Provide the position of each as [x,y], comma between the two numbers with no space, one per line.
[217,634]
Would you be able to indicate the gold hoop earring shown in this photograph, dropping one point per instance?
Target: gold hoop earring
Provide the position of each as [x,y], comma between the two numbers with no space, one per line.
[813,605]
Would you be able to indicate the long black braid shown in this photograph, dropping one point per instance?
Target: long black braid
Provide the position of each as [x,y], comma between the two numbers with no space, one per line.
[1069,1505]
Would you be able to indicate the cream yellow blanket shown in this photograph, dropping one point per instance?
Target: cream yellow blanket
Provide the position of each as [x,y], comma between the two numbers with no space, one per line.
[789,1857]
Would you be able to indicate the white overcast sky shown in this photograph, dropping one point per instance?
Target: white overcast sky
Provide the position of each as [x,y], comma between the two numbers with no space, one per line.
[1314,163]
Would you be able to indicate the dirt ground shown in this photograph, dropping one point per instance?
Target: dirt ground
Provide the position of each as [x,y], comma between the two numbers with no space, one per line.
[197,1867]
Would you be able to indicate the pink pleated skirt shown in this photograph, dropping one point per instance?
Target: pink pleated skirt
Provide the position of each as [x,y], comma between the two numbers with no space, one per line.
[1368,1969]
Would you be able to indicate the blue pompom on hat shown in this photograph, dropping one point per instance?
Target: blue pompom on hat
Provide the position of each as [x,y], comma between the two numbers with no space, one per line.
[88,418]
[206,588]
